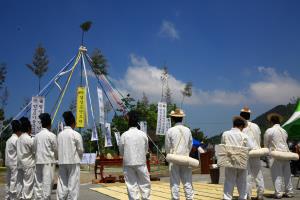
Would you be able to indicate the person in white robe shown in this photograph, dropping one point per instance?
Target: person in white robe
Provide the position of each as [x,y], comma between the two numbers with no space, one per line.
[234,176]
[70,152]
[134,147]
[275,138]
[254,165]
[25,161]
[45,148]
[178,140]
[11,161]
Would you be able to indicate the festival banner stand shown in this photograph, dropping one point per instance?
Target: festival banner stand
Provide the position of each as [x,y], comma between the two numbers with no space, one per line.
[80,107]
[37,108]
[108,142]
[161,118]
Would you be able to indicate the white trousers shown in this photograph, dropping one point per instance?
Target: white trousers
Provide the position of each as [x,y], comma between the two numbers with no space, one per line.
[234,177]
[184,174]
[11,183]
[44,174]
[68,182]
[280,169]
[137,180]
[25,183]
[254,172]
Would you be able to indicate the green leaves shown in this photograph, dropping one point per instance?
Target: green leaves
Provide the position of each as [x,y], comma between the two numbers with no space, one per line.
[86,26]
[99,63]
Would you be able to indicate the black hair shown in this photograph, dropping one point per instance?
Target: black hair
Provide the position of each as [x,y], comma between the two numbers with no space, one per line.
[239,122]
[177,119]
[245,115]
[45,120]
[25,125]
[274,119]
[69,118]
[133,119]
[15,126]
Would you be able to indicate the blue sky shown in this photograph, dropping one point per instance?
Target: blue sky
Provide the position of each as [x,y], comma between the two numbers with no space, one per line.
[234,52]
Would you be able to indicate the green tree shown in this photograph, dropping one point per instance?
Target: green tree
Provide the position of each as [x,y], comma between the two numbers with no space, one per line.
[99,63]
[40,63]
[85,27]
[186,92]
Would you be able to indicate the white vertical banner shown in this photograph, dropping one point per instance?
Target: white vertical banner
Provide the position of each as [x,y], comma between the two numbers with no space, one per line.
[168,124]
[143,126]
[101,106]
[108,142]
[161,118]
[118,137]
[37,108]
[94,134]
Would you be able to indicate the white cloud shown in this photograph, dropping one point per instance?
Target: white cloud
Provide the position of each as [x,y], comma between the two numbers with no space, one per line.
[167,29]
[143,77]
[277,88]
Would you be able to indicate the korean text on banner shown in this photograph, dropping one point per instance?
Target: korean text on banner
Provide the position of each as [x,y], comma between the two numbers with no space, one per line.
[101,106]
[118,137]
[80,107]
[108,142]
[37,108]
[161,118]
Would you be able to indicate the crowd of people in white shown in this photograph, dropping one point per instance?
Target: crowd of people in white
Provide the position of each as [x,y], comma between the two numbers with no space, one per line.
[31,161]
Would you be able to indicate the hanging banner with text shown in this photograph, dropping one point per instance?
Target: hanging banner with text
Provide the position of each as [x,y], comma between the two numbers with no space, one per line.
[108,142]
[80,107]
[143,126]
[118,137]
[94,134]
[101,106]
[37,108]
[161,118]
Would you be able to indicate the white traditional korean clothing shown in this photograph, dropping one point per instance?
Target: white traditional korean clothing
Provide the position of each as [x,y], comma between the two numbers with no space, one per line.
[45,148]
[276,138]
[26,166]
[134,147]
[234,176]
[178,140]
[70,151]
[254,165]
[11,165]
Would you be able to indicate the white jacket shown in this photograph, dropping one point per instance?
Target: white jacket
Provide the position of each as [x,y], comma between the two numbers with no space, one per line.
[254,133]
[235,137]
[133,147]
[11,151]
[179,139]
[45,147]
[70,146]
[25,154]
[276,138]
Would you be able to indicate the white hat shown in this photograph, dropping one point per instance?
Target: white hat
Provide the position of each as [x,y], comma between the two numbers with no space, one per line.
[177,113]
[246,109]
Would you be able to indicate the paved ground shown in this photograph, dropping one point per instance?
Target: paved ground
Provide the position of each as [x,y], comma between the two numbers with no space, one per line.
[87,194]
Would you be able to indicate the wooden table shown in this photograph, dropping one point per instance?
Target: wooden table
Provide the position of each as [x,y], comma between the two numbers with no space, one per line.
[102,161]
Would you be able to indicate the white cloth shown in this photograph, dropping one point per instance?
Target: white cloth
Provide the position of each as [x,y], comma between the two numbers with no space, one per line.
[133,147]
[11,182]
[276,138]
[44,174]
[183,174]
[45,147]
[281,173]
[25,181]
[11,151]
[254,166]
[137,180]
[70,146]
[233,176]
[179,140]
[68,181]
[11,164]
[25,154]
